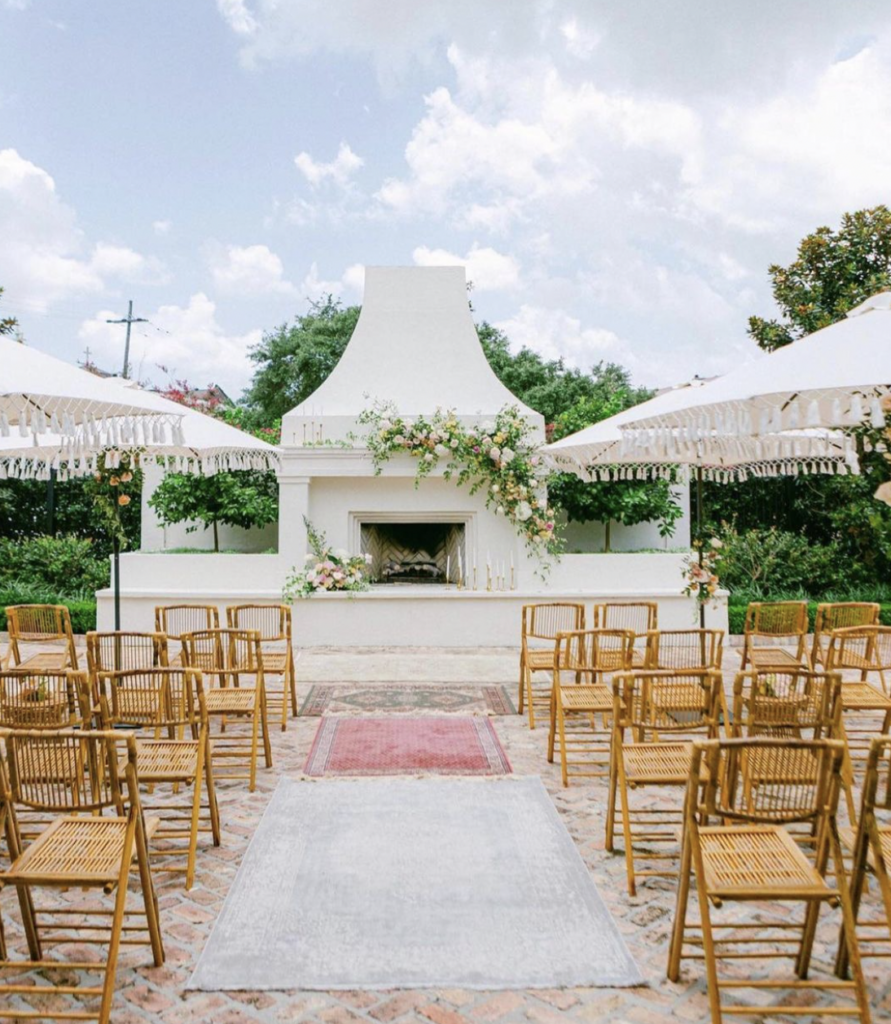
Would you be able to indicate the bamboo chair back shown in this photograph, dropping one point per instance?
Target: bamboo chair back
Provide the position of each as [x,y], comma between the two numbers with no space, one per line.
[37,699]
[800,781]
[224,652]
[771,620]
[546,621]
[40,624]
[860,646]
[174,620]
[65,771]
[593,652]
[164,698]
[639,616]
[685,648]
[653,704]
[840,615]
[122,651]
[786,703]
[271,621]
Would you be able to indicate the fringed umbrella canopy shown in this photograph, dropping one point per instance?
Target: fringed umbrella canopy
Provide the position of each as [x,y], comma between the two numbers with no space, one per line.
[203,445]
[600,452]
[834,378]
[41,397]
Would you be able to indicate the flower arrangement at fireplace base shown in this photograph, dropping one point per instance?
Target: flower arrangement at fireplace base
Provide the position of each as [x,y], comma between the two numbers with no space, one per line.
[328,569]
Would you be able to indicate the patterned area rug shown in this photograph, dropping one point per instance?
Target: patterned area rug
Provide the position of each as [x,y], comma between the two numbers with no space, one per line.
[397,745]
[380,699]
[407,883]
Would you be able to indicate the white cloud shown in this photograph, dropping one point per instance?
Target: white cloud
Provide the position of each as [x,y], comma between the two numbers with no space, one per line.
[187,340]
[249,270]
[555,334]
[487,269]
[339,171]
[44,257]
[354,278]
[580,41]
[237,16]
[162,227]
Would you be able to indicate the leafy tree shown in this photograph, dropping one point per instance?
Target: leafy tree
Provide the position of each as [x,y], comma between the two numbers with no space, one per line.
[294,359]
[628,502]
[7,324]
[239,498]
[833,272]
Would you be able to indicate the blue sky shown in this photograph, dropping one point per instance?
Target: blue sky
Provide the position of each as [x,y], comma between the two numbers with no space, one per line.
[617,178]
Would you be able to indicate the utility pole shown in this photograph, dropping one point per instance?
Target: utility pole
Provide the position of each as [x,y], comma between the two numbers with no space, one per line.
[128,320]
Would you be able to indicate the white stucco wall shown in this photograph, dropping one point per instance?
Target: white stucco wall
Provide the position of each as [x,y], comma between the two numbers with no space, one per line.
[589,537]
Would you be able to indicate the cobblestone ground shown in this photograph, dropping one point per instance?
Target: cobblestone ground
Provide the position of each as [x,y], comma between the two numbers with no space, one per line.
[158,995]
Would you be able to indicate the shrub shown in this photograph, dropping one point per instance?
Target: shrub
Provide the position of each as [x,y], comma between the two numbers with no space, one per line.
[83,612]
[64,566]
[738,603]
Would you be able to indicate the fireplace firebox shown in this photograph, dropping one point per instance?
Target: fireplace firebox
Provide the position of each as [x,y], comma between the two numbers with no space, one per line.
[414,552]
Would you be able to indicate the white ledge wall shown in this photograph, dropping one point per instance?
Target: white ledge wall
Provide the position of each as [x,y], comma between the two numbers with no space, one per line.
[401,616]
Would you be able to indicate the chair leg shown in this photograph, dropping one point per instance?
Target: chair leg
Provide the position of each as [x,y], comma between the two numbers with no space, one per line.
[676,948]
[609,842]
[212,804]
[264,725]
[849,928]
[530,701]
[292,684]
[285,700]
[150,897]
[255,724]
[114,942]
[561,722]
[708,945]
[522,690]
[626,825]
[193,825]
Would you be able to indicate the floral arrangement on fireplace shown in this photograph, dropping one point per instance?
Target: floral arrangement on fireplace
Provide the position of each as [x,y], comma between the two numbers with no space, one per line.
[498,454]
[327,569]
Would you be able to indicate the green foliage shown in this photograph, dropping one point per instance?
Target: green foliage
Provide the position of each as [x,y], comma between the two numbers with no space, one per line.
[240,498]
[294,359]
[738,603]
[833,272]
[622,501]
[8,324]
[112,488]
[68,566]
[23,512]
[82,611]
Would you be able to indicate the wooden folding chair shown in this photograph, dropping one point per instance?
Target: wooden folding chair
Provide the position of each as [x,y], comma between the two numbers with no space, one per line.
[641,617]
[273,623]
[871,846]
[656,714]
[792,704]
[684,649]
[541,624]
[839,615]
[737,849]
[122,651]
[38,699]
[581,661]
[175,620]
[84,848]
[863,649]
[40,624]
[770,621]
[233,660]
[167,706]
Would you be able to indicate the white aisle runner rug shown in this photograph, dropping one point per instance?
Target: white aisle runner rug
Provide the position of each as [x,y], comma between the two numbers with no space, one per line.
[413,883]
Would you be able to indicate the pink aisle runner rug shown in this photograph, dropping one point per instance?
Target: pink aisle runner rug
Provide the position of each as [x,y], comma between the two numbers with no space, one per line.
[398,745]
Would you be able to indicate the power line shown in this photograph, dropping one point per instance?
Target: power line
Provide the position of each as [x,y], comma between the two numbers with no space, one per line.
[129,320]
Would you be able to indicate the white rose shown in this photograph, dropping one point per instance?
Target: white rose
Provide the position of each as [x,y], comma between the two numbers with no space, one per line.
[428,457]
[386,425]
[369,559]
[441,449]
[524,511]
[308,557]
[507,455]
[342,554]
[495,454]
[717,543]
[488,427]
[454,443]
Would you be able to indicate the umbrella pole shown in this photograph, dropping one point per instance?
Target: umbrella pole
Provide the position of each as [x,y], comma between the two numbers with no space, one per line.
[116,572]
[51,504]
[699,535]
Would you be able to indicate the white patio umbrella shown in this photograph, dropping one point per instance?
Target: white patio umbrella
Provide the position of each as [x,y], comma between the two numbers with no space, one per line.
[599,453]
[41,395]
[201,444]
[833,378]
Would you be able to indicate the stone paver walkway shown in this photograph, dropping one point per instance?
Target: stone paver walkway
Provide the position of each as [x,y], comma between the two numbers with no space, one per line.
[157,996]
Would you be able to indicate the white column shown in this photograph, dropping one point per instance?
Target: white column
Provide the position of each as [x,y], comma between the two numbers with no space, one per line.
[293,497]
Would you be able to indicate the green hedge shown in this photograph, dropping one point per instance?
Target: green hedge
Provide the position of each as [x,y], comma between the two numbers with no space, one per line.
[83,613]
[736,613]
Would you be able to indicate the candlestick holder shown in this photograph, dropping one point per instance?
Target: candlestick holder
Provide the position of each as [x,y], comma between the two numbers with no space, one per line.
[475,580]
[488,578]
[513,579]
